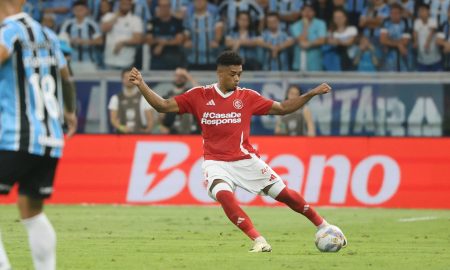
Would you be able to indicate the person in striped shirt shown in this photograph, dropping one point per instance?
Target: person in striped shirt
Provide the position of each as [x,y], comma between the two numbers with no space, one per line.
[84,34]
[229,9]
[203,37]
[289,11]
[245,40]
[276,43]
[34,80]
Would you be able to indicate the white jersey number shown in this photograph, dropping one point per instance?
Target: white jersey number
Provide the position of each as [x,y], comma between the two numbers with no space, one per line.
[44,95]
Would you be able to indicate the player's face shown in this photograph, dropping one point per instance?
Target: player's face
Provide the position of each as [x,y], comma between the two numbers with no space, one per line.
[229,76]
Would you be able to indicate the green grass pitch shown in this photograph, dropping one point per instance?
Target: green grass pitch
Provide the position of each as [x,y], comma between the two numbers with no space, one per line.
[146,237]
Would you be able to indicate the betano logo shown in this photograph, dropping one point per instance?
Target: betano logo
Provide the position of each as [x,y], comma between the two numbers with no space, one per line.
[154,174]
[157,175]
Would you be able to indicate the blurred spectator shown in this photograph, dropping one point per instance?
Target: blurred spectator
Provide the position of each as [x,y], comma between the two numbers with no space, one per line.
[229,9]
[341,40]
[372,18]
[443,40]
[264,5]
[140,8]
[84,34]
[408,10]
[48,20]
[244,40]
[438,9]
[288,11]
[395,37]
[310,34]
[34,9]
[365,57]
[61,9]
[276,43]
[129,111]
[298,123]
[104,8]
[211,7]
[123,33]
[165,38]
[203,36]
[173,123]
[354,8]
[98,8]
[428,54]
[178,8]
[324,10]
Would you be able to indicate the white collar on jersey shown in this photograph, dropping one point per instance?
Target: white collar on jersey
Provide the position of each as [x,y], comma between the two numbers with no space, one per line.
[16,16]
[221,93]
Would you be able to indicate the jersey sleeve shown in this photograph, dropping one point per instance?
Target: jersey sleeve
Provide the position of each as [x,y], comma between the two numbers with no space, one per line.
[8,36]
[260,105]
[186,101]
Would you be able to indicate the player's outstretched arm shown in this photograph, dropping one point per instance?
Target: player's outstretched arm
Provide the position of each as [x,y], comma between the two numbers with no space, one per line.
[291,105]
[160,104]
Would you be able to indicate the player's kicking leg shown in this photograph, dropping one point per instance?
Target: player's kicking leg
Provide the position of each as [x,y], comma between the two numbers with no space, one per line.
[223,193]
[291,198]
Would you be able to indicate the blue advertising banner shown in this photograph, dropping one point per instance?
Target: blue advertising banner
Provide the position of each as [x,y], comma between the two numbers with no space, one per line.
[351,109]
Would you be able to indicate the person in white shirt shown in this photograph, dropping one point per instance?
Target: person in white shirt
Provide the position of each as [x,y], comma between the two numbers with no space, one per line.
[428,54]
[123,33]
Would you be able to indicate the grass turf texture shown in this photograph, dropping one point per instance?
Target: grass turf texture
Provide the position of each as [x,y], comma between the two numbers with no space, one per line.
[143,237]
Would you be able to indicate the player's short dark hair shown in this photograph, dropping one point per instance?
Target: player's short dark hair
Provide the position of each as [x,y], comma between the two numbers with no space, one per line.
[229,58]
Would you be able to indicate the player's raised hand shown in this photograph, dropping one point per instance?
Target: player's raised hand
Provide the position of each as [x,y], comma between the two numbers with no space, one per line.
[135,77]
[322,89]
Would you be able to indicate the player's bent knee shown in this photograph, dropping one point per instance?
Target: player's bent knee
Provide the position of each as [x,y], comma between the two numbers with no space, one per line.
[276,189]
[219,187]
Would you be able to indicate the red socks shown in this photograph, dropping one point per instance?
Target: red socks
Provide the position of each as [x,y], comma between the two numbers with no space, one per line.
[299,205]
[235,213]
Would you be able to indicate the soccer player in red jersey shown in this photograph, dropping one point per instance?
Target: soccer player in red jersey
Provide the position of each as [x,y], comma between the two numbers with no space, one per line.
[224,112]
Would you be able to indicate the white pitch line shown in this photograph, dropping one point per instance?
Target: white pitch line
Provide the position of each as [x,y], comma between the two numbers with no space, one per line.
[414,219]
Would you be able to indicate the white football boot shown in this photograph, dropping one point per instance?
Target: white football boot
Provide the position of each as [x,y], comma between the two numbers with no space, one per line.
[260,245]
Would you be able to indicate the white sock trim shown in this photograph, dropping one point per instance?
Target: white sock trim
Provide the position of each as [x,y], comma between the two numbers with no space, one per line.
[219,187]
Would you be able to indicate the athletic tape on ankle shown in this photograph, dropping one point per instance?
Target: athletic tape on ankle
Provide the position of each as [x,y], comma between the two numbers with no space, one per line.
[220,187]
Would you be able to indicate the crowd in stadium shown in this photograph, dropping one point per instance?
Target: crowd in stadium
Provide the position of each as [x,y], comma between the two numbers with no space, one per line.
[272,35]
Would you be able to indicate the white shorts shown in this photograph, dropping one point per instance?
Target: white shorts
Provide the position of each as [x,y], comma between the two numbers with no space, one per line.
[251,174]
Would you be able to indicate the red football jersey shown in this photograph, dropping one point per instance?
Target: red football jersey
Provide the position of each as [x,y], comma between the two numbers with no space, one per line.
[224,119]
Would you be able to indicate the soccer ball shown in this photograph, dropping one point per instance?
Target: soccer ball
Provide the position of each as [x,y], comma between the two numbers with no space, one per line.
[330,239]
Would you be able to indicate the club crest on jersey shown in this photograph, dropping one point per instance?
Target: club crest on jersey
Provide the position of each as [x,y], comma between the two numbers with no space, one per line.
[238,104]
